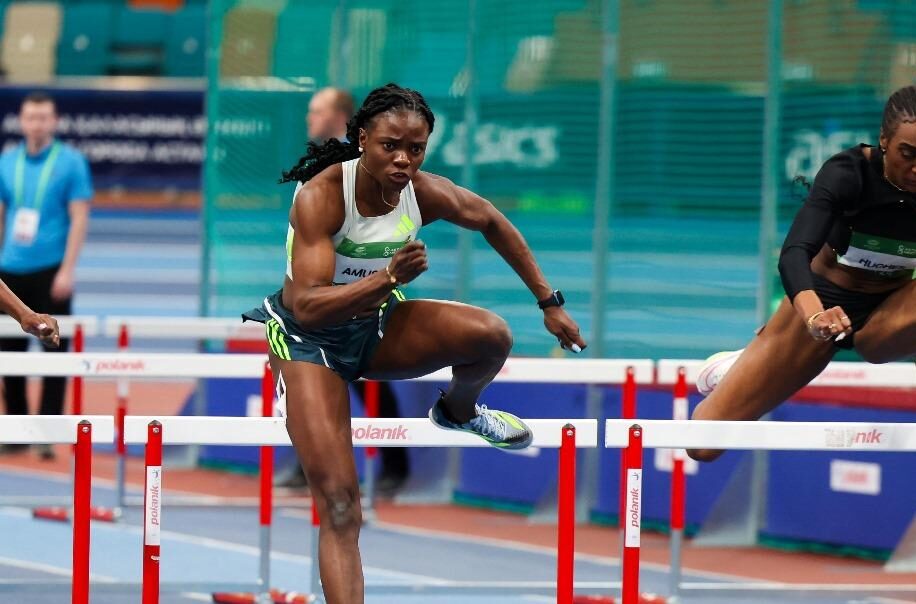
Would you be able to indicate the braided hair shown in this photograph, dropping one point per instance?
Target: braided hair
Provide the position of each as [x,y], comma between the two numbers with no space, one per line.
[900,108]
[385,98]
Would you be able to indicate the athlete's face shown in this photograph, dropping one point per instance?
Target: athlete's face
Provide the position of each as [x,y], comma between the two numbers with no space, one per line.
[900,159]
[394,146]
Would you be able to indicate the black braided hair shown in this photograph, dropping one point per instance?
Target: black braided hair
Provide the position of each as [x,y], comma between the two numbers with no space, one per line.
[900,108]
[382,99]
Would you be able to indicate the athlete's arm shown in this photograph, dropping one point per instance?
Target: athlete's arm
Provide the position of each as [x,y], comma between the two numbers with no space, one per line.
[835,185]
[316,215]
[442,199]
[42,326]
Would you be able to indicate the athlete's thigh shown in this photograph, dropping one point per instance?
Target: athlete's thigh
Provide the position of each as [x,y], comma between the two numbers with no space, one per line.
[890,333]
[422,336]
[318,420]
[778,362]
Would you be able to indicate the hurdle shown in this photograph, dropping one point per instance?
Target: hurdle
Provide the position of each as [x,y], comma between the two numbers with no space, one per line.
[81,431]
[164,365]
[681,372]
[567,435]
[125,328]
[135,366]
[199,329]
[591,372]
[76,328]
[763,435]
[151,366]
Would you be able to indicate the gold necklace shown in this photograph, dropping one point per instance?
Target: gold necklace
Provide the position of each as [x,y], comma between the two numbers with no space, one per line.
[381,190]
[884,172]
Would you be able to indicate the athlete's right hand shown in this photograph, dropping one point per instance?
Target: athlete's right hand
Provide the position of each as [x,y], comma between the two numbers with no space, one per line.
[829,324]
[409,262]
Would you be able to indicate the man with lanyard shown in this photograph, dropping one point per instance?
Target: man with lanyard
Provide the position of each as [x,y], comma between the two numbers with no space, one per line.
[45,190]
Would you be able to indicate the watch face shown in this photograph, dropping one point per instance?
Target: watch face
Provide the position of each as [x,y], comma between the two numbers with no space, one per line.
[555,299]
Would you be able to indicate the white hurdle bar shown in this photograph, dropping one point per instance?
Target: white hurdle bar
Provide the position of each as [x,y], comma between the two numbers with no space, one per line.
[183,328]
[762,435]
[406,432]
[53,429]
[81,431]
[134,365]
[192,365]
[837,373]
[772,436]
[415,432]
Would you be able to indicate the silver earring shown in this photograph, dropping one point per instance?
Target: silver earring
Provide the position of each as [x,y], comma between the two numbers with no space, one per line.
[360,149]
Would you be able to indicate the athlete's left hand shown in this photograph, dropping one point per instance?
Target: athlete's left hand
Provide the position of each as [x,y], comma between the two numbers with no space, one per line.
[560,324]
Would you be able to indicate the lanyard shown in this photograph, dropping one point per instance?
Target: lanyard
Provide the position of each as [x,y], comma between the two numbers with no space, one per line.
[43,178]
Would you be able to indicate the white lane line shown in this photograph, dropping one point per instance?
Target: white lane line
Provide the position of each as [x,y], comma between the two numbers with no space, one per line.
[249,550]
[50,569]
[537,549]
[132,489]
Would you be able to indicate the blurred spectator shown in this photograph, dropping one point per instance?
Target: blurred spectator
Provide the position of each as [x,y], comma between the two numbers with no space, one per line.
[329,111]
[45,191]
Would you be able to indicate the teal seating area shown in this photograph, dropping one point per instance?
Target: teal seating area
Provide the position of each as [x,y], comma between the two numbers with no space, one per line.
[99,37]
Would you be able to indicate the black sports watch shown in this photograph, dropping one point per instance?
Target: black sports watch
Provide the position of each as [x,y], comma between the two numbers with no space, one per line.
[554,299]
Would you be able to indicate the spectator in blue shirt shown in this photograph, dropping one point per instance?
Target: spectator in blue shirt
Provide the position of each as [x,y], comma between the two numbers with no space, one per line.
[45,190]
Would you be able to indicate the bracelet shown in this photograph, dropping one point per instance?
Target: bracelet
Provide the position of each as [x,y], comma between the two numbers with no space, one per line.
[391,278]
[812,319]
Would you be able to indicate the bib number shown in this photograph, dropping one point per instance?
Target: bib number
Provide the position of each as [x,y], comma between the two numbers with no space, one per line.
[25,226]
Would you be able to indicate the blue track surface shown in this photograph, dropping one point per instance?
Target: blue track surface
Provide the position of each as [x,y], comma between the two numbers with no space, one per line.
[220,545]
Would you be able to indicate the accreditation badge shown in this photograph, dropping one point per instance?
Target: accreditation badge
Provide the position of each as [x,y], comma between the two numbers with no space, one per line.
[25,226]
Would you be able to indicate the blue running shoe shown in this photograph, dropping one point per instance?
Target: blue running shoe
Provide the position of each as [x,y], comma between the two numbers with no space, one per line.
[499,428]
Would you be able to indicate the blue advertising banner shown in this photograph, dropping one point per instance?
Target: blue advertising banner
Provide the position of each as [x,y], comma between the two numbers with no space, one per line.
[134,139]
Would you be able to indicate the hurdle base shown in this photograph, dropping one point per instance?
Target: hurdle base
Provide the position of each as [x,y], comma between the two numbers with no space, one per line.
[643,599]
[63,514]
[276,597]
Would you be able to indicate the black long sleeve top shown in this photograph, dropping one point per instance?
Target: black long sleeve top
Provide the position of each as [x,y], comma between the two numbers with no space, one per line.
[851,207]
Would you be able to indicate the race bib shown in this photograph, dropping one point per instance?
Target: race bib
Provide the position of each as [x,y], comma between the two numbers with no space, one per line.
[25,226]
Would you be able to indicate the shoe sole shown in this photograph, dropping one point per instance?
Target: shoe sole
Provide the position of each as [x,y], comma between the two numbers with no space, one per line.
[502,446]
[710,366]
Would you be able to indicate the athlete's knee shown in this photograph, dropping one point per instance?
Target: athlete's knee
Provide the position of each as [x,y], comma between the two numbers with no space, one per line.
[342,513]
[494,335]
[704,454]
[875,356]
[702,412]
